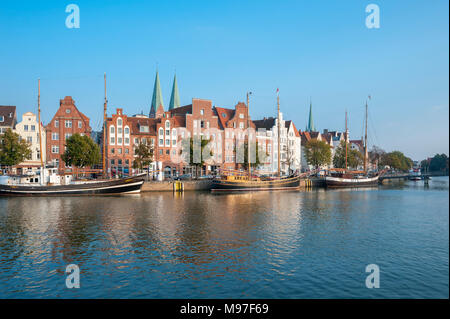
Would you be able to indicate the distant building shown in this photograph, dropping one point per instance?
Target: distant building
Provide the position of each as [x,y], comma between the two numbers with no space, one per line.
[67,121]
[28,129]
[8,118]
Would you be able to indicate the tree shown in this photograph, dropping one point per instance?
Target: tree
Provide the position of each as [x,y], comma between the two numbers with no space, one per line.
[290,157]
[397,160]
[13,150]
[193,155]
[354,157]
[439,162]
[144,156]
[81,151]
[317,153]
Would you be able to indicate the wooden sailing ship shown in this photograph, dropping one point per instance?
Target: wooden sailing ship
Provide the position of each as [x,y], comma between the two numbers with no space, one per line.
[247,182]
[49,183]
[343,177]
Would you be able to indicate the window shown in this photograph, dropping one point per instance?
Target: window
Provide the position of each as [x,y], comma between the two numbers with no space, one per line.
[167,124]
[80,124]
[112,140]
[224,115]
[136,140]
[241,115]
[161,131]
[112,151]
[202,112]
[160,152]
[68,124]
[241,125]
[55,136]
[143,129]
[25,128]
[67,111]
[2,118]
[67,135]
[161,142]
[127,130]
[29,139]
[167,142]
[174,142]
[167,152]
[119,151]
[144,141]
[202,124]
[111,129]
[33,128]
[119,140]
[168,132]
[56,123]
[55,149]
[119,162]
[127,151]
[112,162]
[119,122]
[119,130]
[127,141]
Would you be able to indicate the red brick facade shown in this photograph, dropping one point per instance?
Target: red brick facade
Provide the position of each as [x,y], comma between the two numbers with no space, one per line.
[67,121]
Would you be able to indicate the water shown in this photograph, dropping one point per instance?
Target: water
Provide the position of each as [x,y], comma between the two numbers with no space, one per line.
[313,244]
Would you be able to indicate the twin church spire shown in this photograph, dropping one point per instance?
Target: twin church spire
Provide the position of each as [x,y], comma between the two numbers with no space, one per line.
[157,99]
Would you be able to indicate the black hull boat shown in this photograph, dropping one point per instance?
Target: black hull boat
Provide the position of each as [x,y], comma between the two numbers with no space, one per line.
[130,185]
[334,182]
[231,185]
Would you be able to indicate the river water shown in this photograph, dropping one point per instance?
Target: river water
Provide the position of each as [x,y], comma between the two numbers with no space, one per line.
[309,244]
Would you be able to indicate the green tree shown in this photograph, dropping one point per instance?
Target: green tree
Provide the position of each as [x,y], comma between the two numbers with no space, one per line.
[13,150]
[397,160]
[81,151]
[354,157]
[317,153]
[439,162]
[144,156]
[196,156]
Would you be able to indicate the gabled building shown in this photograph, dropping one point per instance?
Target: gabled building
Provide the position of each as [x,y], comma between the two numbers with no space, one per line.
[67,121]
[28,130]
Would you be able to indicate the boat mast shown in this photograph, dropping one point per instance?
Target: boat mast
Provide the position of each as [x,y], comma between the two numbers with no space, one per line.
[40,133]
[104,130]
[346,134]
[248,133]
[365,144]
[278,140]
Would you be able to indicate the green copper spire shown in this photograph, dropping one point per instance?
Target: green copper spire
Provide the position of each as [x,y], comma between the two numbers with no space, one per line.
[157,99]
[310,127]
[175,97]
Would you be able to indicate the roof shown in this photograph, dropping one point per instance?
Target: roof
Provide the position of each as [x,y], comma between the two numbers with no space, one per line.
[9,115]
[182,110]
[136,122]
[224,115]
[157,99]
[267,123]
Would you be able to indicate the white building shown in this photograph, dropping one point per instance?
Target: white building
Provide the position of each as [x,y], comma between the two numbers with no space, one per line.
[290,144]
[28,130]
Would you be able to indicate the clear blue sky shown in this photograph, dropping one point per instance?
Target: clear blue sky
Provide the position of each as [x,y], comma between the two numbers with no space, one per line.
[221,49]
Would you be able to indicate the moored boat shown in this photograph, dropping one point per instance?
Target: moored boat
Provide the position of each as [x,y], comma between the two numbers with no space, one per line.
[31,186]
[236,183]
[351,180]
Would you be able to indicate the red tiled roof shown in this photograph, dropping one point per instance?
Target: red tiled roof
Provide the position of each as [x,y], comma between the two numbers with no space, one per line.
[136,122]
[182,110]
[224,115]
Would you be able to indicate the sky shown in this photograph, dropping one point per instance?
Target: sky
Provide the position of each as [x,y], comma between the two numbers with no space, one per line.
[319,51]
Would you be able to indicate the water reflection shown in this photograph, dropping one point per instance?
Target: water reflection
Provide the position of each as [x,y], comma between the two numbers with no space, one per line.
[202,245]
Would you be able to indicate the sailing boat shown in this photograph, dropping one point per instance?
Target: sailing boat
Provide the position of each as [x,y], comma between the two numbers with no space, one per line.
[242,182]
[49,183]
[342,177]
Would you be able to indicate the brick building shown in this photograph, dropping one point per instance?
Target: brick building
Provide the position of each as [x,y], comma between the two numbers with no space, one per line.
[67,121]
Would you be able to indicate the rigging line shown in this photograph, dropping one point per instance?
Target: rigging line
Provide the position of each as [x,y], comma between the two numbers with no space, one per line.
[373,127]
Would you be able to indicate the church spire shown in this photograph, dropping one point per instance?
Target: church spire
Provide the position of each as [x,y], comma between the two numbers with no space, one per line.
[310,127]
[157,99]
[175,97]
